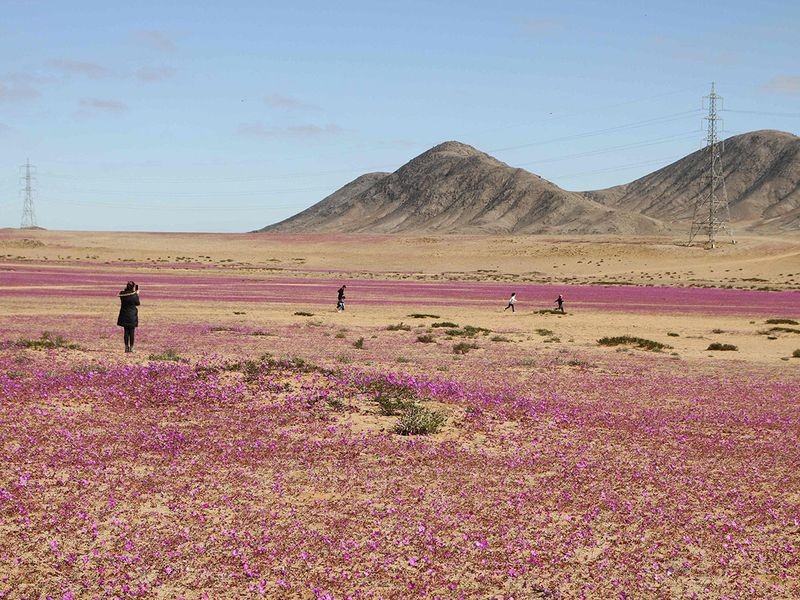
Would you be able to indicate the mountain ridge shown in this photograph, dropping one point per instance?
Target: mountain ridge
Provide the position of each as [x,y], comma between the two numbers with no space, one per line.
[456,188]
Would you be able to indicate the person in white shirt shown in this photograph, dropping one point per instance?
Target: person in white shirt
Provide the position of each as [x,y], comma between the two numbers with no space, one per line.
[511,302]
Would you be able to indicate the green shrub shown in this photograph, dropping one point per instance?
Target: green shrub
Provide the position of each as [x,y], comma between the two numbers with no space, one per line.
[781,322]
[335,403]
[718,346]
[575,362]
[468,331]
[302,313]
[673,334]
[463,347]
[796,353]
[418,420]
[785,329]
[393,405]
[399,327]
[252,369]
[359,343]
[169,355]
[340,335]
[544,332]
[444,324]
[472,331]
[499,338]
[46,342]
[634,341]
[425,339]
[423,316]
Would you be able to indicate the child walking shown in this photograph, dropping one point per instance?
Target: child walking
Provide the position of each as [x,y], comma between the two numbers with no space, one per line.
[511,302]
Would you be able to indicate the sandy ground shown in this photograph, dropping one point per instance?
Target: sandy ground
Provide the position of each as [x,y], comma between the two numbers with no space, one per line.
[752,263]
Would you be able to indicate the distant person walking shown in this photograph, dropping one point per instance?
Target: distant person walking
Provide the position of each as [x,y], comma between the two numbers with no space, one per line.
[511,302]
[340,300]
[560,302]
[128,313]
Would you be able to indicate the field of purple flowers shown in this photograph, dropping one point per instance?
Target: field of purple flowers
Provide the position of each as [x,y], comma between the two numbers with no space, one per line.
[255,461]
[43,281]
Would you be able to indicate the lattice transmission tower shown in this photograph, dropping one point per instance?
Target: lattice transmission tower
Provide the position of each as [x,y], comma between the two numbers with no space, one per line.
[28,212]
[711,213]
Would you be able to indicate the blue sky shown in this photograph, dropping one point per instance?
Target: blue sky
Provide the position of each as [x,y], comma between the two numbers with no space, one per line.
[211,116]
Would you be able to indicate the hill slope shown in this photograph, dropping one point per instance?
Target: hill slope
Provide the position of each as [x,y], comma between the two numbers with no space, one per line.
[454,188]
[762,182]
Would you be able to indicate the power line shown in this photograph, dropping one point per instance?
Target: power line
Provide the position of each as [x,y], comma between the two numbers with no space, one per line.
[167,208]
[760,112]
[186,194]
[624,167]
[634,125]
[609,149]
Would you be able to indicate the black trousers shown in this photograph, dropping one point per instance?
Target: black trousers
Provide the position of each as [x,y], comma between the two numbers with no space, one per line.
[129,335]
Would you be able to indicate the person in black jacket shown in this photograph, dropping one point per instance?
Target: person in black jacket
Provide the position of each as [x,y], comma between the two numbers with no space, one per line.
[340,300]
[128,313]
[560,302]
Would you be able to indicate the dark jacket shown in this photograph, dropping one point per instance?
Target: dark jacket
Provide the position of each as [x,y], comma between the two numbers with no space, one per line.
[128,313]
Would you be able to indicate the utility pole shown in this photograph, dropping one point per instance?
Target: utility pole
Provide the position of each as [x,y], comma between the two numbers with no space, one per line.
[711,214]
[28,213]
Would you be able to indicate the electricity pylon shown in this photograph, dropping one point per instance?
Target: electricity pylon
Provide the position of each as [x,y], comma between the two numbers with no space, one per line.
[711,214]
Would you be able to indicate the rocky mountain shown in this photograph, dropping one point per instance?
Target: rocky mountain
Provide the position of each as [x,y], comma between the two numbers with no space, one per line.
[762,183]
[454,188]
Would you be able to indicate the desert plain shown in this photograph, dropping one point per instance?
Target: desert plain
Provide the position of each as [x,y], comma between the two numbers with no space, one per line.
[253,445]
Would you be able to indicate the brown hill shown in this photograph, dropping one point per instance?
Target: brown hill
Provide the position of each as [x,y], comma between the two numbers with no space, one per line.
[762,182]
[338,207]
[454,188]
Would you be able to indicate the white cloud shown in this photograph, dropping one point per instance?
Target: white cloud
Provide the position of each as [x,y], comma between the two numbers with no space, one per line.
[157,40]
[96,106]
[155,74]
[17,93]
[77,67]
[784,84]
[288,102]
